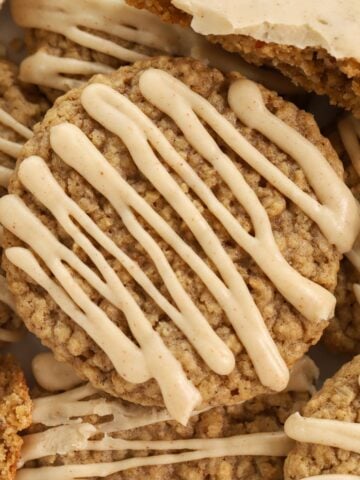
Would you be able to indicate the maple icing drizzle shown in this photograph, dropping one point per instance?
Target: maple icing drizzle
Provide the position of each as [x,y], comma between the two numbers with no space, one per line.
[68,432]
[331,433]
[114,17]
[12,149]
[336,216]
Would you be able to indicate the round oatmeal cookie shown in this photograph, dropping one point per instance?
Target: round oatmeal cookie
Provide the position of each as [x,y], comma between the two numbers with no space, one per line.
[81,320]
[257,451]
[343,333]
[21,107]
[335,411]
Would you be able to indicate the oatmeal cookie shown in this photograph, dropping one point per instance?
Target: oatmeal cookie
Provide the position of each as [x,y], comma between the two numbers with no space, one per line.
[141,263]
[20,108]
[15,415]
[343,333]
[328,432]
[304,45]
[156,447]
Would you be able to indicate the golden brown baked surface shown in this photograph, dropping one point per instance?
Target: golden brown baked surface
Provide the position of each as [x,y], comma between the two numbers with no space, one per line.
[339,399]
[15,414]
[299,240]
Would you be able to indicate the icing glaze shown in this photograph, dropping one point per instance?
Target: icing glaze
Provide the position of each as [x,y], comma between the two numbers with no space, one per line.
[332,433]
[69,432]
[303,376]
[114,17]
[12,149]
[336,216]
[331,26]
[52,375]
[320,431]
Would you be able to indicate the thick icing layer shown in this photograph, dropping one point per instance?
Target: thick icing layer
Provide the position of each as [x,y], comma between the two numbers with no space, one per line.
[336,216]
[114,17]
[331,25]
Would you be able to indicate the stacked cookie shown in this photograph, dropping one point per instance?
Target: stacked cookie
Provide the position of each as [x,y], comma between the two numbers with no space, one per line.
[173,230]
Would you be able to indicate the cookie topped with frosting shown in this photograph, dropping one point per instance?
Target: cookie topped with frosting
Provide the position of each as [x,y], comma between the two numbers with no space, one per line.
[328,431]
[175,234]
[313,43]
[83,434]
[21,107]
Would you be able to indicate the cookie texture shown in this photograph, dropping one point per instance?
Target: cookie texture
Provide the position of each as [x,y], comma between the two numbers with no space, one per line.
[27,106]
[15,414]
[343,332]
[299,240]
[264,414]
[339,399]
[314,69]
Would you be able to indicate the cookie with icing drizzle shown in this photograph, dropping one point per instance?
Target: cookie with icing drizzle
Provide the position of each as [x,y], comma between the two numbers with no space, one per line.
[15,415]
[81,433]
[66,48]
[20,108]
[175,234]
[343,333]
[328,431]
[312,44]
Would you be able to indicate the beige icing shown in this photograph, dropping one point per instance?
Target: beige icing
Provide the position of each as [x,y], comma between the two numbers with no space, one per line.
[121,21]
[115,112]
[70,433]
[52,375]
[12,149]
[331,25]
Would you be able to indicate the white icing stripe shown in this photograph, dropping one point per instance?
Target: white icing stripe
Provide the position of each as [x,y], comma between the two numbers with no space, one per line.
[122,117]
[12,149]
[333,433]
[51,71]
[271,444]
[115,17]
[76,438]
[9,121]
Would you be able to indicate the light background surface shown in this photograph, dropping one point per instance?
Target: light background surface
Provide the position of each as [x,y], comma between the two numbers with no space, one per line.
[29,346]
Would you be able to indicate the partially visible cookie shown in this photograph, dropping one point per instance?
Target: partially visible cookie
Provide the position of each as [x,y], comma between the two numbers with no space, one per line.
[343,333]
[67,48]
[15,415]
[114,439]
[311,43]
[328,433]
[21,107]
